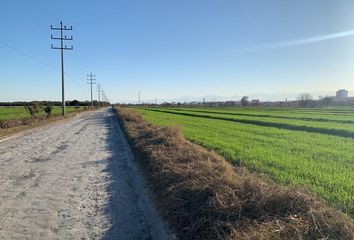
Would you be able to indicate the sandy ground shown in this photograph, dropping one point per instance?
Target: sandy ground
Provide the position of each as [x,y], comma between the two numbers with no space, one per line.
[74,180]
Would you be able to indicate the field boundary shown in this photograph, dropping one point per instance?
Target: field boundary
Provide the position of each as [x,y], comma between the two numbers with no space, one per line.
[202,196]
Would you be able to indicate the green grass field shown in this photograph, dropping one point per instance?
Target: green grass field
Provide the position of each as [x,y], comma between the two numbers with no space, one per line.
[311,148]
[8,113]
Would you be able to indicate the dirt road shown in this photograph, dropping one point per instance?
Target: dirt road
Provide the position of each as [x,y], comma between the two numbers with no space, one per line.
[74,180]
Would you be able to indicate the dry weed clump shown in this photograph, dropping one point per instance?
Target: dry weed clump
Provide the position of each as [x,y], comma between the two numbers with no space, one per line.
[21,121]
[204,197]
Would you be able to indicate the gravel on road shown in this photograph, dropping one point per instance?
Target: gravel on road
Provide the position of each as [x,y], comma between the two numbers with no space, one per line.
[74,180]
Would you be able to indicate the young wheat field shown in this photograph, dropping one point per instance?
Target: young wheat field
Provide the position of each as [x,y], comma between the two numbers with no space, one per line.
[309,148]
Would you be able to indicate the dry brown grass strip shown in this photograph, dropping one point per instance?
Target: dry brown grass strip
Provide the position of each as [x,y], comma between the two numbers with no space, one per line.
[204,197]
[12,126]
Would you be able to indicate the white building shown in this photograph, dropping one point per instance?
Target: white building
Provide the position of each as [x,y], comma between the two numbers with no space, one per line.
[342,93]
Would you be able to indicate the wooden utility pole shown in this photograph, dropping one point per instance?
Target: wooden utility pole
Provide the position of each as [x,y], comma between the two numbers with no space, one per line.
[91,80]
[62,47]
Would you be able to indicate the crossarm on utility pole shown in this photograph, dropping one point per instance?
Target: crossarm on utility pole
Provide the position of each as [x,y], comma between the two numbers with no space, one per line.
[62,47]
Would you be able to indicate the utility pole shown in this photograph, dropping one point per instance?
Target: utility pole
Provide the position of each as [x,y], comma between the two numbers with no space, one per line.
[104,97]
[91,80]
[62,47]
[99,89]
[139,98]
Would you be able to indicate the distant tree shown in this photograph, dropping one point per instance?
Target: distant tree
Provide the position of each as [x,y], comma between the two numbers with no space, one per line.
[244,101]
[304,99]
[326,101]
[254,102]
[74,103]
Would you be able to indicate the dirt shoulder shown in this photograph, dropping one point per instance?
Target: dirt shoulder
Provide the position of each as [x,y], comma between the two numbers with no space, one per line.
[204,197]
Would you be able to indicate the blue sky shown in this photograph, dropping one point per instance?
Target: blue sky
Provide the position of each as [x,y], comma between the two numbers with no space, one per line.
[171,49]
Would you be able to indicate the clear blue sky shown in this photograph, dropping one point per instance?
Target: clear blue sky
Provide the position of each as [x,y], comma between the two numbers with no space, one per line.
[170,49]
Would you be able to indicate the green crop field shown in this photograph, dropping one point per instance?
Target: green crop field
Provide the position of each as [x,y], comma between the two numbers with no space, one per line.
[310,148]
[8,113]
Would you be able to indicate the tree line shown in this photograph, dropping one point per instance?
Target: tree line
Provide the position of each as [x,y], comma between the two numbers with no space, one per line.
[304,100]
[73,103]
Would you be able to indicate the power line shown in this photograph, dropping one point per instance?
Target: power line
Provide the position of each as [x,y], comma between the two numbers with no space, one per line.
[91,80]
[27,55]
[82,65]
[99,89]
[77,58]
[34,59]
[62,47]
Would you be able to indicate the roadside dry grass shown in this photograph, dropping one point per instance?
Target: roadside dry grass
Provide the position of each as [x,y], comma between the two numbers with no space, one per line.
[204,197]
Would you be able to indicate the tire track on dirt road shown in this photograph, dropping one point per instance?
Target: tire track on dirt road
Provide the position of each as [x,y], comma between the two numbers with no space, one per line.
[74,180]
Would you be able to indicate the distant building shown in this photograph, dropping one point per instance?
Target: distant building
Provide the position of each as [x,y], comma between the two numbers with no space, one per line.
[342,93]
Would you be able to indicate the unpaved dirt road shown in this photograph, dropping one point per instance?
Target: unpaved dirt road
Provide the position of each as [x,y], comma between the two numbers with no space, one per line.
[74,180]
